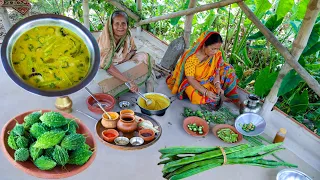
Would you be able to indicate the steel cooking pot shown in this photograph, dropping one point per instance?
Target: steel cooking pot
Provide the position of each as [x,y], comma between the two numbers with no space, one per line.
[46,20]
[160,112]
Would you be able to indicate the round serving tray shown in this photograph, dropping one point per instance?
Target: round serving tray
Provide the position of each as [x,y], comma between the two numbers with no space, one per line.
[100,128]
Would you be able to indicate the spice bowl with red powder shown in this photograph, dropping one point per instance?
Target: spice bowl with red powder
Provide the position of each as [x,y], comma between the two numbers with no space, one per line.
[147,134]
[110,134]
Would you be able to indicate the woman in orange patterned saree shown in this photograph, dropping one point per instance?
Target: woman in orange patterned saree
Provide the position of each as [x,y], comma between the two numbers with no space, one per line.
[203,76]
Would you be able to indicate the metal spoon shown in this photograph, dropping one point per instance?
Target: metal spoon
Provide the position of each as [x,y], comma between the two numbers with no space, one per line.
[98,103]
[87,115]
[148,101]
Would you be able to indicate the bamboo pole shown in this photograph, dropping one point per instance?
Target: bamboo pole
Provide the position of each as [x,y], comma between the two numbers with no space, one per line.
[85,6]
[290,59]
[27,14]
[139,5]
[125,9]
[188,24]
[5,18]
[297,49]
[139,8]
[188,11]
[62,8]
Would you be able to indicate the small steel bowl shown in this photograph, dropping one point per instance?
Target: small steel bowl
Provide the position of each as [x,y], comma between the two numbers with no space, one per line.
[136,141]
[122,141]
[253,118]
[292,174]
[124,104]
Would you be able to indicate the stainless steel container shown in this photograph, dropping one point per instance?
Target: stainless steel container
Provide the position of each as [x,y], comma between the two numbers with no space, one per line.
[292,174]
[160,112]
[46,20]
[255,119]
[251,105]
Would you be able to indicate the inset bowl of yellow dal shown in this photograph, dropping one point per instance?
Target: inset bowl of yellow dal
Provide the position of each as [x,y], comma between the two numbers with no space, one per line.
[159,105]
[50,55]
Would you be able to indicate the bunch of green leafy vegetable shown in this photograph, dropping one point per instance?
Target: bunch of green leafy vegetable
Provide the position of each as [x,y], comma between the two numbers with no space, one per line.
[179,164]
[219,117]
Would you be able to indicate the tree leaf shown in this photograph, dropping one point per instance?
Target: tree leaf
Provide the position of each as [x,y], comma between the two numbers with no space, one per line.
[77,7]
[223,9]
[209,20]
[272,24]
[94,6]
[248,2]
[299,103]
[299,118]
[290,81]
[261,7]
[302,61]
[314,49]
[258,47]
[314,37]
[264,82]
[284,6]
[313,67]
[174,21]
[317,125]
[296,26]
[160,9]
[251,77]
[239,71]
[246,60]
[317,20]
[244,83]
[311,116]
[302,8]
[100,27]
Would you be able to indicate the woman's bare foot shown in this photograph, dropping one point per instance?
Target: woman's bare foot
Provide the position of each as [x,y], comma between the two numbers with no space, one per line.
[238,104]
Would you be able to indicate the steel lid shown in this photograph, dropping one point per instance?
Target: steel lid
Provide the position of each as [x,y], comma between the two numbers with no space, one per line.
[292,174]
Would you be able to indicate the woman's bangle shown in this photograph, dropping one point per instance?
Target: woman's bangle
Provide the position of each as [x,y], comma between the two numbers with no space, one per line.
[216,83]
[205,93]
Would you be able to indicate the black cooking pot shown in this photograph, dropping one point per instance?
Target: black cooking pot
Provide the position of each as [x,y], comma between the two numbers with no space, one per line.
[160,112]
[46,20]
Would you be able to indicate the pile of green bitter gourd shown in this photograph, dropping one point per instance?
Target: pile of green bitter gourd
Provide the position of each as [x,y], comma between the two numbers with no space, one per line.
[48,139]
[219,117]
[181,162]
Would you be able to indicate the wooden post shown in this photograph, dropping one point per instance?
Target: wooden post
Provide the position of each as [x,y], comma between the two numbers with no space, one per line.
[291,60]
[5,18]
[139,7]
[85,6]
[188,11]
[298,45]
[27,14]
[125,9]
[62,8]
[188,24]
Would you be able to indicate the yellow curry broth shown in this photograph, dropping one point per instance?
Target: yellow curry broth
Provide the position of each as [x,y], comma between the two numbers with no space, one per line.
[159,102]
[50,57]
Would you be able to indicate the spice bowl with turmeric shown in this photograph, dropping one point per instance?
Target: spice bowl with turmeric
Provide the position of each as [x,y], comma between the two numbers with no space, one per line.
[110,123]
